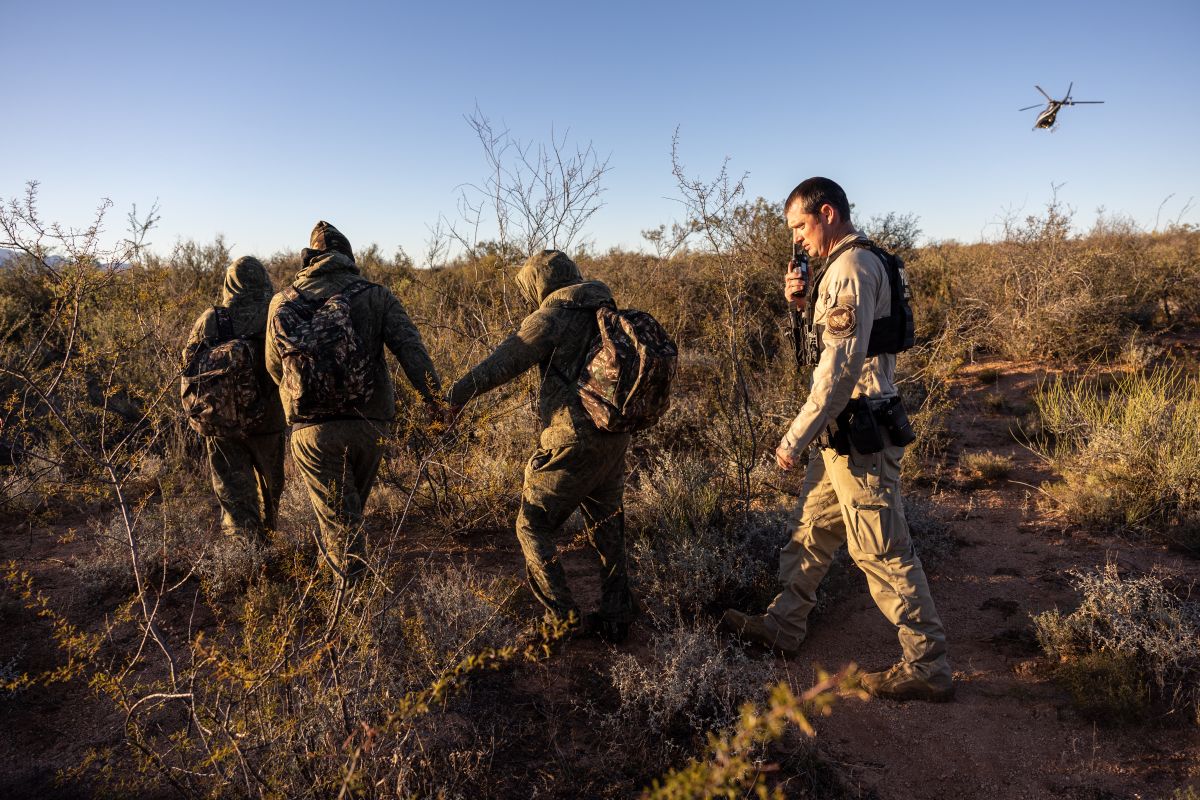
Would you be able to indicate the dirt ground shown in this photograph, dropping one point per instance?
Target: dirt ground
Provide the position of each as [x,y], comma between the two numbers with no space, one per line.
[1010,733]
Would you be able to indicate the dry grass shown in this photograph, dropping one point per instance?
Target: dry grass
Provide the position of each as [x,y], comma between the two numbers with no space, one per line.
[984,467]
[1126,452]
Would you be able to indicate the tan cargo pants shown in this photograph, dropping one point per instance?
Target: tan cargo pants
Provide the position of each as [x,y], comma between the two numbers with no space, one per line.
[855,499]
[339,461]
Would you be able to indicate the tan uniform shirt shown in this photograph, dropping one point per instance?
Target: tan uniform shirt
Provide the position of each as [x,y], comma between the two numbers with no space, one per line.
[854,292]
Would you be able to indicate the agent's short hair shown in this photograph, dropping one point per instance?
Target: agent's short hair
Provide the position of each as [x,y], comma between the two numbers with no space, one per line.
[816,192]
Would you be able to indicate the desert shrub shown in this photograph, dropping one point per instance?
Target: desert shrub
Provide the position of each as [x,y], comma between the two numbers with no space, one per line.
[1044,291]
[1041,296]
[692,680]
[735,764]
[675,496]
[923,378]
[934,539]
[170,540]
[229,562]
[455,611]
[985,466]
[1126,453]
[1129,641]
[687,555]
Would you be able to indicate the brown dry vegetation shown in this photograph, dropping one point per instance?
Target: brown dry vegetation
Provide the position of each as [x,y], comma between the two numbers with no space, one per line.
[149,657]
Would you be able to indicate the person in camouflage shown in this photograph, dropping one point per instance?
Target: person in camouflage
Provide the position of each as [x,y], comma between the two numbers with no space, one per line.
[338,456]
[247,470]
[576,465]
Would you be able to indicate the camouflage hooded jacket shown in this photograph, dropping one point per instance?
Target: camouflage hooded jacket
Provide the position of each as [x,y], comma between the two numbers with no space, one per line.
[246,295]
[379,319]
[556,337]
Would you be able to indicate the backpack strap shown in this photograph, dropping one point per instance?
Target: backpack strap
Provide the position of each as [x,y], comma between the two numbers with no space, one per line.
[571,305]
[225,330]
[860,242]
[356,288]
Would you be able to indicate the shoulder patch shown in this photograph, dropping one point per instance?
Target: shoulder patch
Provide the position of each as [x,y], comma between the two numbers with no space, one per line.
[840,320]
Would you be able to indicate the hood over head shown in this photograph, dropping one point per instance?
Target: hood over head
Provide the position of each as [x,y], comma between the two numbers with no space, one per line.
[322,265]
[545,273]
[325,239]
[247,292]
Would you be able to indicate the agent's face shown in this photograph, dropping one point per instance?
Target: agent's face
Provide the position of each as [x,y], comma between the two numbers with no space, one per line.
[816,233]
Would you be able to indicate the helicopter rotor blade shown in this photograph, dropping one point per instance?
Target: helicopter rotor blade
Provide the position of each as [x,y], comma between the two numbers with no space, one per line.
[1069,88]
[1085,102]
[1026,108]
[1043,91]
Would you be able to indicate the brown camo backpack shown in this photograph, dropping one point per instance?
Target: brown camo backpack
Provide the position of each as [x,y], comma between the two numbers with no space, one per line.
[220,387]
[327,370]
[625,383]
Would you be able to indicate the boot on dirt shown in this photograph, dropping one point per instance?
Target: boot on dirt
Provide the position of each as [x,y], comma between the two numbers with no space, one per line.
[756,629]
[899,683]
[608,630]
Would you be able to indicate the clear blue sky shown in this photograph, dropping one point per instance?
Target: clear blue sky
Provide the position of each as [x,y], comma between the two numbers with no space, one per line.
[254,120]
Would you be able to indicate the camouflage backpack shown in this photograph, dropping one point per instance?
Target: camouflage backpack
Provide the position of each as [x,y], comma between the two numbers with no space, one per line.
[327,370]
[625,383]
[220,386]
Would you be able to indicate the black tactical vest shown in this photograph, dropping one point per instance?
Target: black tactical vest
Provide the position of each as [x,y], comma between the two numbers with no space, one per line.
[894,333]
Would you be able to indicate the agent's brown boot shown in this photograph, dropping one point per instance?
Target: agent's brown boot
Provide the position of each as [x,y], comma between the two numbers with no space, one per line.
[756,629]
[898,683]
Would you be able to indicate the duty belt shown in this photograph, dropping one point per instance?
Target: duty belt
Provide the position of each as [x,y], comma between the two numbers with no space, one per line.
[862,423]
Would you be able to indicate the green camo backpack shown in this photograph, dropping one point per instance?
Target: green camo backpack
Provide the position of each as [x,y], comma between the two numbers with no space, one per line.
[327,370]
[220,387]
[625,383]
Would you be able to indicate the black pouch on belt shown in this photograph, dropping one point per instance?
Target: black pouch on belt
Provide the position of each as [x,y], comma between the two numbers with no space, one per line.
[863,429]
[835,437]
[894,417]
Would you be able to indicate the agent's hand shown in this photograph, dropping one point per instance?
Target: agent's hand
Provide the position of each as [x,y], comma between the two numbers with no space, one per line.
[794,285]
[783,458]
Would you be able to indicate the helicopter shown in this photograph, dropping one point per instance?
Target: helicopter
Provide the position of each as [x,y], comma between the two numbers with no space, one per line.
[1046,118]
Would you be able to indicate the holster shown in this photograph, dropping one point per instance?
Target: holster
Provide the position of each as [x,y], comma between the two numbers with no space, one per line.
[894,418]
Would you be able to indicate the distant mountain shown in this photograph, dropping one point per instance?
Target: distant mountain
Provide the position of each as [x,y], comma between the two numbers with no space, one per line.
[9,256]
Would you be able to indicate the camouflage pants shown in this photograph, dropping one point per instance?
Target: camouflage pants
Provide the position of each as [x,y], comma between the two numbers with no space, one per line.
[338,461]
[588,475]
[247,475]
[855,500]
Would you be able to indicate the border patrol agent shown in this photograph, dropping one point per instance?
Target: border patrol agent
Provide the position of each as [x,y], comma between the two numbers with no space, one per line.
[849,496]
